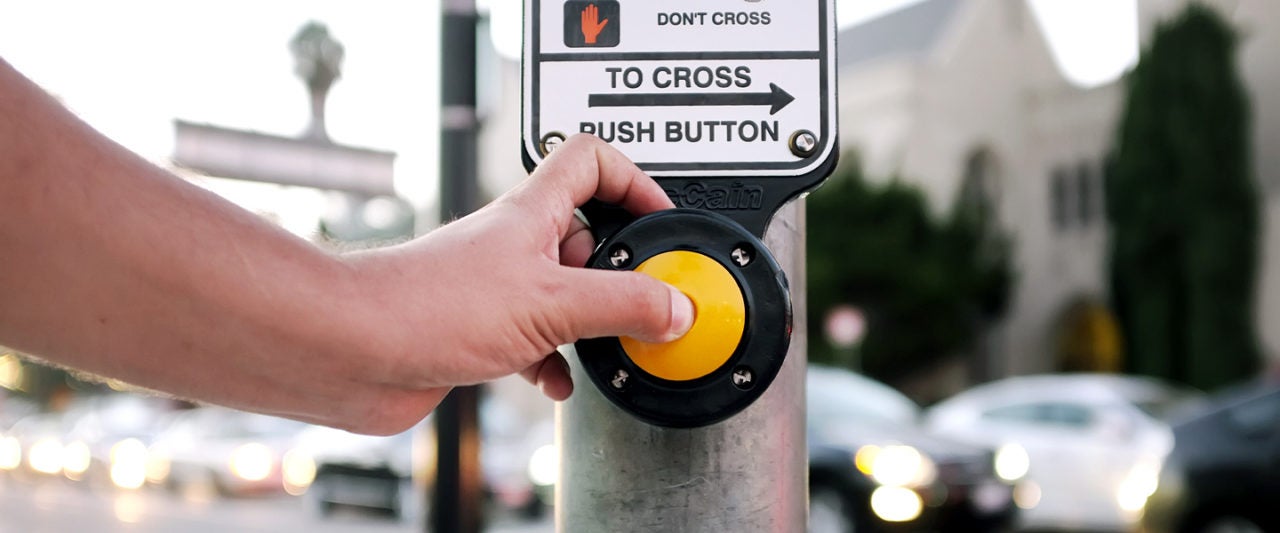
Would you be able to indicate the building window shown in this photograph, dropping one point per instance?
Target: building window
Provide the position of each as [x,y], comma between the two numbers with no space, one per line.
[1060,198]
[1086,180]
[1075,195]
[979,188]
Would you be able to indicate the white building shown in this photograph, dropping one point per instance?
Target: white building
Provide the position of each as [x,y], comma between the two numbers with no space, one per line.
[946,91]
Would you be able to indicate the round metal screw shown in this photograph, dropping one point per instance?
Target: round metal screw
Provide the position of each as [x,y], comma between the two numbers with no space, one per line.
[743,378]
[549,142]
[803,143]
[620,378]
[741,255]
[620,257]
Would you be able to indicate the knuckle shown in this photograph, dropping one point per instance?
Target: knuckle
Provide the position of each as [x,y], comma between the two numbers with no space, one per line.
[583,138]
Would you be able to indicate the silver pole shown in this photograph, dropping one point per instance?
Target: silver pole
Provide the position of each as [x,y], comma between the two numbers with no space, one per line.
[748,473]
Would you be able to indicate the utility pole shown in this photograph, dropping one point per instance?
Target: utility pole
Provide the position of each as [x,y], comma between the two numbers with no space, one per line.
[747,473]
[457,496]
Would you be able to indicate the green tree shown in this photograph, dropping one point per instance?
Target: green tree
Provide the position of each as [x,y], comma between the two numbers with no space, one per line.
[1184,209]
[926,287]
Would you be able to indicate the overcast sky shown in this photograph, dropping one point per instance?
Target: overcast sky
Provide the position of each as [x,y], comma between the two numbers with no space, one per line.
[129,67]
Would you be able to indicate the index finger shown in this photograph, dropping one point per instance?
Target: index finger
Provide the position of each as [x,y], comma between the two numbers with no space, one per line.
[584,167]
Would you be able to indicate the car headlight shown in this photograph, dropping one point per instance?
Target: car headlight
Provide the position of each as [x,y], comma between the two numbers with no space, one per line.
[896,504]
[158,467]
[1026,495]
[11,372]
[129,464]
[544,465]
[10,453]
[299,471]
[75,460]
[252,462]
[896,465]
[1138,485]
[1012,462]
[45,456]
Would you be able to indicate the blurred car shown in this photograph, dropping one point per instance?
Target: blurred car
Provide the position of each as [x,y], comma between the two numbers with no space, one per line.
[871,468]
[11,410]
[35,445]
[217,450]
[1095,443]
[332,468]
[1223,474]
[519,459]
[518,464]
[108,437]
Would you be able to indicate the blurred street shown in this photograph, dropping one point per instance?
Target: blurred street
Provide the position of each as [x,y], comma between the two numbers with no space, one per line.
[56,506]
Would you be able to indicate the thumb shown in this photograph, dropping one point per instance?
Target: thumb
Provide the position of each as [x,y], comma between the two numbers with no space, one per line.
[609,304]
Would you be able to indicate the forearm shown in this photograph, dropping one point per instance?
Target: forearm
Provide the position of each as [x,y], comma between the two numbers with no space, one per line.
[112,265]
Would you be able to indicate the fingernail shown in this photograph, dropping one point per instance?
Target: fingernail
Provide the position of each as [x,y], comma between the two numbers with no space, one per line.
[682,314]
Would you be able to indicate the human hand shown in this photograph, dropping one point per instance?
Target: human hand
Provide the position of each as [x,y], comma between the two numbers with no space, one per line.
[218,305]
[591,23]
[494,293]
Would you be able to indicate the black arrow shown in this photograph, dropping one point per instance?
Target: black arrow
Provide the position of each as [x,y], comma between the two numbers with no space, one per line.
[776,99]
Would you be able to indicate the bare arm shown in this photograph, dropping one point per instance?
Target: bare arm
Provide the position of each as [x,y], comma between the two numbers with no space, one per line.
[112,265]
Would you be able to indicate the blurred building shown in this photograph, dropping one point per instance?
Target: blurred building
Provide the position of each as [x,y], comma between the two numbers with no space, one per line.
[966,95]
[289,180]
[947,92]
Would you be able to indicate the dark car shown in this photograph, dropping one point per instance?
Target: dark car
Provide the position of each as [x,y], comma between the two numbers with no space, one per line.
[518,460]
[359,470]
[872,469]
[1223,474]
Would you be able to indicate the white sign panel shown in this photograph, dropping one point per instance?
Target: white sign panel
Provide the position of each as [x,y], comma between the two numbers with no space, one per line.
[690,88]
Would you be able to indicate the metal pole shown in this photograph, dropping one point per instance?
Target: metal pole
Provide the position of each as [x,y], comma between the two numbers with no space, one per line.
[748,473]
[459,193]
[456,499]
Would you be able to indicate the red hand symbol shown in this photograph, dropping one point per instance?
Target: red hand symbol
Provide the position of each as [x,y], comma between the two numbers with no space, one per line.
[591,25]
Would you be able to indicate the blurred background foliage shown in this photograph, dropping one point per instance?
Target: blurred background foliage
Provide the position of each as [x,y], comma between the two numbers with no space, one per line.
[926,286]
[1184,219]
[1184,209]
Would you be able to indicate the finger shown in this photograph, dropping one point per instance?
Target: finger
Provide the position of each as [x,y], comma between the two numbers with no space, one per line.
[551,375]
[584,167]
[577,245]
[601,303]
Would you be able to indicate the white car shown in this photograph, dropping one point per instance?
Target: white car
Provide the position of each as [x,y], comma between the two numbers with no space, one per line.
[1094,443]
[35,445]
[107,440]
[214,449]
[871,467]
